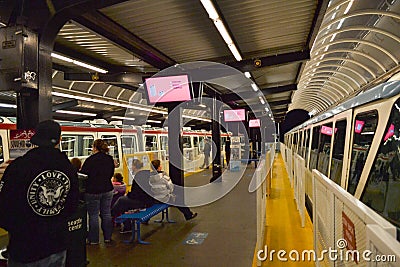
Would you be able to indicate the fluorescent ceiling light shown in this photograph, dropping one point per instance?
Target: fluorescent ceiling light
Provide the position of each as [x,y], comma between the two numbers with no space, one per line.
[77,62]
[153,121]
[254,86]
[4,105]
[60,57]
[247,74]
[75,112]
[222,30]
[85,65]
[261,100]
[2,24]
[348,7]
[235,52]
[196,118]
[209,7]
[123,118]
[213,14]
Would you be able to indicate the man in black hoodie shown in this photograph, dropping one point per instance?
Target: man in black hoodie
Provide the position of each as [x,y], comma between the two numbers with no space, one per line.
[38,192]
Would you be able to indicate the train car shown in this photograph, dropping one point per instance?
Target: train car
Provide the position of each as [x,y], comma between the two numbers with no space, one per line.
[142,142]
[357,145]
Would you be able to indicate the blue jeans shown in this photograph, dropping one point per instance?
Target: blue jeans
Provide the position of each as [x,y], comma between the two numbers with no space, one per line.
[54,260]
[99,204]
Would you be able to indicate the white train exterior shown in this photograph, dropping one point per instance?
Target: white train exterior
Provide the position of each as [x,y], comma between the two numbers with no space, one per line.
[123,141]
[357,145]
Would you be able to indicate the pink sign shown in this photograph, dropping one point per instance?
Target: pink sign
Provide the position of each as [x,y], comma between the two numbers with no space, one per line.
[389,133]
[168,89]
[234,115]
[327,130]
[359,126]
[254,123]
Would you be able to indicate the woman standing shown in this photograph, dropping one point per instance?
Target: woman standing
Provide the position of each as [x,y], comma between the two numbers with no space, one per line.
[99,191]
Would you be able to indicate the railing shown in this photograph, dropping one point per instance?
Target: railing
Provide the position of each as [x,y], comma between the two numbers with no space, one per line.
[263,175]
[299,186]
[345,224]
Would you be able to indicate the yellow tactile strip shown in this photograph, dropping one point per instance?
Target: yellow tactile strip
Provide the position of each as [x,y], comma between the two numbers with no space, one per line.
[284,231]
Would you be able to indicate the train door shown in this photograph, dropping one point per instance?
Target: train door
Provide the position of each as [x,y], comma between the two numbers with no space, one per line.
[340,147]
[367,127]
[129,144]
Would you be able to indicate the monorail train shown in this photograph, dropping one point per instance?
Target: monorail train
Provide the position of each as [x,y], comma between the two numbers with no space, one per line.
[357,145]
[138,142]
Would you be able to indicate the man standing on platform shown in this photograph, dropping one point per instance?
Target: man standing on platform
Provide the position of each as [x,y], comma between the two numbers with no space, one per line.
[206,151]
[38,192]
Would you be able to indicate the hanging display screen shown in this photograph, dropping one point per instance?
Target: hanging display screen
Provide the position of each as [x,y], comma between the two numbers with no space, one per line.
[168,89]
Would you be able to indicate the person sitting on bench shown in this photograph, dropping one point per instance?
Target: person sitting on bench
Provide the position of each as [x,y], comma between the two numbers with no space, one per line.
[137,198]
[162,188]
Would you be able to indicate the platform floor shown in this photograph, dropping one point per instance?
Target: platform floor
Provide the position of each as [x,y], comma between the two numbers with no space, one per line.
[284,229]
[230,223]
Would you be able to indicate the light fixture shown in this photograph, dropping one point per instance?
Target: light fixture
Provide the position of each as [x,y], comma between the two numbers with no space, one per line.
[76,112]
[4,105]
[254,86]
[122,118]
[209,7]
[154,121]
[348,7]
[196,118]
[213,14]
[77,62]
[247,74]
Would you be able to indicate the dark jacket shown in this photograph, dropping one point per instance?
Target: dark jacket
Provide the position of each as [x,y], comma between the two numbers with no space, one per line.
[100,168]
[141,189]
[38,192]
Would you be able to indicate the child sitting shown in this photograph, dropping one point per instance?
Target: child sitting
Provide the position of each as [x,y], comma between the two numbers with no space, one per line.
[119,187]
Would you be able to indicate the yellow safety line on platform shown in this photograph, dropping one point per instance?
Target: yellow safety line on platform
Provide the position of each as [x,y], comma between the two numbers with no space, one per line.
[284,231]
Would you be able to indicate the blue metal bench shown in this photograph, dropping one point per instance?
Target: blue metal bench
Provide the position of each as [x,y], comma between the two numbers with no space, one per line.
[142,217]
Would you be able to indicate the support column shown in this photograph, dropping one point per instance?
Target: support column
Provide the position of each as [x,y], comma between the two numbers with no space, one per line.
[216,140]
[175,145]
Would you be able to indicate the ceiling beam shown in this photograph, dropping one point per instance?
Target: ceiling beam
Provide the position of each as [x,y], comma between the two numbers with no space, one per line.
[252,95]
[279,89]
[121,78]
[279,110]
[249,64]
[279,102]
[101,24]
[66,104]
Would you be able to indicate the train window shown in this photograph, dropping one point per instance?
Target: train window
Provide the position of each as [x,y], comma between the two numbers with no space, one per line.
[324,148]
[164,142]
[382,190]
[112,143]
[77,145]
[186,143]
[307,145]
[151,143]
[129,144]
[314,147]
[364,131]
[195,141]
[338,151]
